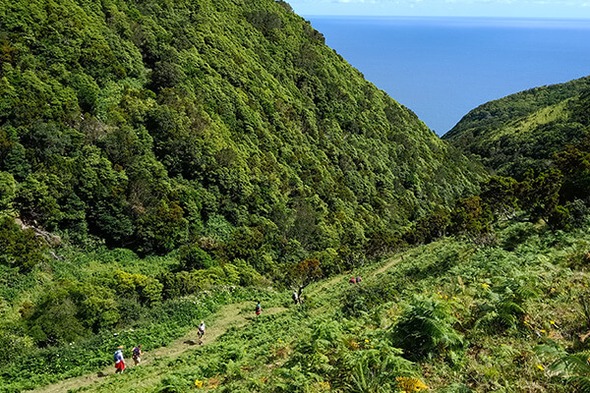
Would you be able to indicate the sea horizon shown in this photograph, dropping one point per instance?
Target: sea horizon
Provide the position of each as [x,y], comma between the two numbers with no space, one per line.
[442,67]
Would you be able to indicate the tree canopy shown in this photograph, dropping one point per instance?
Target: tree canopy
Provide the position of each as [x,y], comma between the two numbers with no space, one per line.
[153,125]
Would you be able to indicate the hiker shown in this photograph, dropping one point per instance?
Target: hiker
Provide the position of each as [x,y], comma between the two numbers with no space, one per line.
[137,355]
[258,309]
[352,280]
[295,297]
[358,279]
[119,360]
[201,332]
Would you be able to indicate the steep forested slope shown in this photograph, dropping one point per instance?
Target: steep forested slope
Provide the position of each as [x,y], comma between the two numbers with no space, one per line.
[152,124]
[157,156]
[226,136]
[524,130]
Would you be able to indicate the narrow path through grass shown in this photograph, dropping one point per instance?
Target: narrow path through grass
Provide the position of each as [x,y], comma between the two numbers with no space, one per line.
[232,315]
[229,316]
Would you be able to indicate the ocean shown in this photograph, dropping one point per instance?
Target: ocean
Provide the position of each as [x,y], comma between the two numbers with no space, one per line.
[441,68]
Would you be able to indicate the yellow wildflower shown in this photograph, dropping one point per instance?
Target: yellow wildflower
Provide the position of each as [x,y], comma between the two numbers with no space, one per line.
[485,285]
[540,367]
[410,385]
[322,386]
[198,383]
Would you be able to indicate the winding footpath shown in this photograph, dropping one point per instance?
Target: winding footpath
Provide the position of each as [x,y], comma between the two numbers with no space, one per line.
[229,316]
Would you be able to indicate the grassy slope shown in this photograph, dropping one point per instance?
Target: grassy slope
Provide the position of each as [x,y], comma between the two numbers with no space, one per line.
[523,130]
[228,317]
[301,349]
[154,124]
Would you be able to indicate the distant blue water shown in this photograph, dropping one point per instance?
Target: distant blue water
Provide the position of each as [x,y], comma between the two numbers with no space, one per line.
[441,68]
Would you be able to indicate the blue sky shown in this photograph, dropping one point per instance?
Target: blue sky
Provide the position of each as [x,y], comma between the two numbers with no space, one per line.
[579,9]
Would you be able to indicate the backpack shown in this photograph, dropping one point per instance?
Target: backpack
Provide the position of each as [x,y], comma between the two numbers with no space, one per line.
[136,352]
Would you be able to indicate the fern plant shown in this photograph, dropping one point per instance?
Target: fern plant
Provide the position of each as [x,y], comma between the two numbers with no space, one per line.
[374,369]
[573,369]
[426,330]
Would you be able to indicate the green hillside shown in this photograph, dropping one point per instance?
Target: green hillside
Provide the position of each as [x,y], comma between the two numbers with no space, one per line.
[153,124]
[445,317]
[166,162]
[160,159]
[523,131]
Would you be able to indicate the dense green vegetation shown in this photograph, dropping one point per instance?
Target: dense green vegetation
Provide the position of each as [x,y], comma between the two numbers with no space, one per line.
[495,317]
[160,160]
[538,142]
[154,124]
[225,130]
[523,131]
[153,151]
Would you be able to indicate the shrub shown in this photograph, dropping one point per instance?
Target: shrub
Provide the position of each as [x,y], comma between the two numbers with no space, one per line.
[516,234]
[248,275]
[504,308]
[146,290]
[193,257]
[559,218]
[178,284]
[19,248]
[174,384]
[426,329]
[55,321]
[574,370]
[372,370]
[12,344]
[70,311]
[360,299]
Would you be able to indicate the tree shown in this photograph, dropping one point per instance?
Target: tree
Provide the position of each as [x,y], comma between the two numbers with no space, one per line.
[304,273]
[162,228]
[500,193]
[7,190]
[574,163]
[539,195]
[471,216]
[194,257]
[19,248]
[428,228]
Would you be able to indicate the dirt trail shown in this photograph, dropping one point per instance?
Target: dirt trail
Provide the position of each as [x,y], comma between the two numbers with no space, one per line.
[229,316]
[343,278]
[388,265]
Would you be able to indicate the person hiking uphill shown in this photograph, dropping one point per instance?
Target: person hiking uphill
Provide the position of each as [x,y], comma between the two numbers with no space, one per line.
[258,309]
[137,355]
[201,331]
[119,360]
